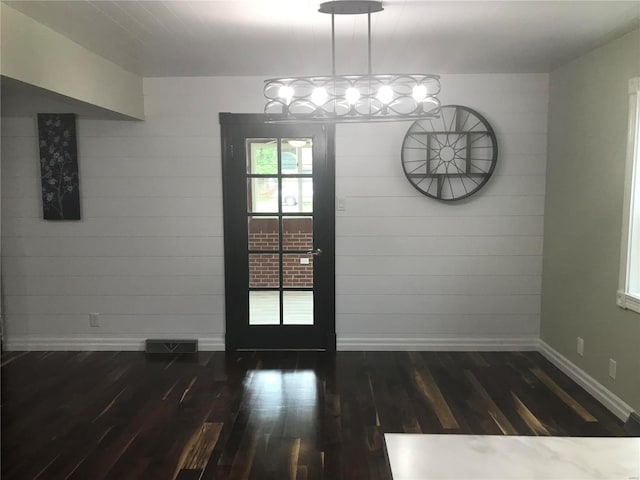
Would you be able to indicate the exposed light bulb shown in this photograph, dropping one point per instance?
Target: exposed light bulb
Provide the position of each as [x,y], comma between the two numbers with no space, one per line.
[419,93]
[352,95]
[286,92]
[297,143]
[319,96]
[385,94]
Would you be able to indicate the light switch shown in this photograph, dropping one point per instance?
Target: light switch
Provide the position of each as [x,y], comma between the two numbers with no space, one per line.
[341,204]
[304,261]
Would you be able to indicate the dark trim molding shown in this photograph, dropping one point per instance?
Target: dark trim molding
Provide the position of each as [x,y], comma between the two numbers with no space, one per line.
[227,118]
[234,128]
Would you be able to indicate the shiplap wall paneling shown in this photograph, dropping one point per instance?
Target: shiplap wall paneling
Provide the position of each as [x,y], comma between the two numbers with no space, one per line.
[148,253]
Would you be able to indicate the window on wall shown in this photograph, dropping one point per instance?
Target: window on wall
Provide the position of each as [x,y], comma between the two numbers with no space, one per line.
[629,292]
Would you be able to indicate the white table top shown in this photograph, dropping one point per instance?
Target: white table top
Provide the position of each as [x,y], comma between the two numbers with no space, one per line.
[495,457]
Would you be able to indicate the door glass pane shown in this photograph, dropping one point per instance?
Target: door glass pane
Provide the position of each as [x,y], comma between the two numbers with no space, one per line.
[264,307]
[297,155]
[297,308]
[297,195]
[263,233]
[283,188]
[297,233]
[262,156]
[264,270]
[297,270]
[262,195]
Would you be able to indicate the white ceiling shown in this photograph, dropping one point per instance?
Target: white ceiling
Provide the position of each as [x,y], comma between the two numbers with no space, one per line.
[289,37]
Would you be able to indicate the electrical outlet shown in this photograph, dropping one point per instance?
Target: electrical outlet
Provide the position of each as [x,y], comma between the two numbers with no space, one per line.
[580,347]
[94,319]
[612,368]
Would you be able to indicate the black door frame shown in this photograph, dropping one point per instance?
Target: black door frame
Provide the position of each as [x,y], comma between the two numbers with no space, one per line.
[238,334]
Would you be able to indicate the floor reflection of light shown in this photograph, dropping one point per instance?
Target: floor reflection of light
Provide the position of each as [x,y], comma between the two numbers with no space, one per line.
[277,393]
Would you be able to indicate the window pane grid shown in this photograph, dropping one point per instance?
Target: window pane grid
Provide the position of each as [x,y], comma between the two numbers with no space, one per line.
[280,231]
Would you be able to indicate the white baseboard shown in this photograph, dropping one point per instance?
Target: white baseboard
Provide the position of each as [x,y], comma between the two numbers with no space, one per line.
[129,343]
[346,343]
[614,403]
[431,343]
[211,344]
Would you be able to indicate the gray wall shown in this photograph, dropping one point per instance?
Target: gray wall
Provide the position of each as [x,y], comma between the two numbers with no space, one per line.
[148,253]
[588,114]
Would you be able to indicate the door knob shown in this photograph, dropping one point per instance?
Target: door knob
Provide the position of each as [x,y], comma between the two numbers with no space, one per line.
[316,253]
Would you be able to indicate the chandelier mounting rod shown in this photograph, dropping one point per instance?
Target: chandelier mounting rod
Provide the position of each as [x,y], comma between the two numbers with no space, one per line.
[369,39]
[333,45]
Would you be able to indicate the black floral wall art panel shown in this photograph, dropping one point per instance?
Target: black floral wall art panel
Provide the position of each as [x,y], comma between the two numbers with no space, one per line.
[59,166]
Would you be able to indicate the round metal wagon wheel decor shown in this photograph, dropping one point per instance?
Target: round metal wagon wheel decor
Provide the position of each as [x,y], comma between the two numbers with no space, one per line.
[451,157]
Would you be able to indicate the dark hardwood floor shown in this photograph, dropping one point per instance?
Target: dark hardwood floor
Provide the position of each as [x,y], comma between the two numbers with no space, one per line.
[276,415]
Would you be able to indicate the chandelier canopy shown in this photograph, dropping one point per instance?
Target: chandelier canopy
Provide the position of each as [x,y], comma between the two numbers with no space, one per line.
[352,98]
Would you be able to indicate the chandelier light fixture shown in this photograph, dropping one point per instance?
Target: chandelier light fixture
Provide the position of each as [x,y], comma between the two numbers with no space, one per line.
[352,98]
